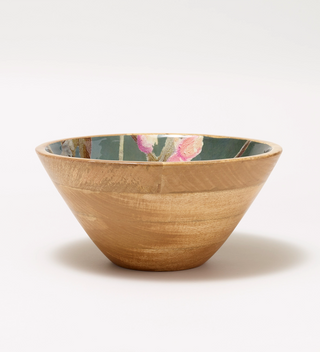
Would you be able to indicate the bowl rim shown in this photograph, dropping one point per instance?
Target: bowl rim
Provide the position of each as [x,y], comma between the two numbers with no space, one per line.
[275,150]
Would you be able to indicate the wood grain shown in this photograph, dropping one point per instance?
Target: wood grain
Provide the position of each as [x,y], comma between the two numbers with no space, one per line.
[159,216]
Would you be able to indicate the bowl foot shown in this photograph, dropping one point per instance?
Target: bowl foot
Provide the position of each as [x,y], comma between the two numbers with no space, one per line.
[162,259]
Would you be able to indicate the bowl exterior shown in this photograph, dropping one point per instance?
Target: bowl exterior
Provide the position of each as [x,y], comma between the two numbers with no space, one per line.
[158,216]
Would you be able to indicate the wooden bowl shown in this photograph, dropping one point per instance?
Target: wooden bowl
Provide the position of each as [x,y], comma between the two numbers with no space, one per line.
[158,202]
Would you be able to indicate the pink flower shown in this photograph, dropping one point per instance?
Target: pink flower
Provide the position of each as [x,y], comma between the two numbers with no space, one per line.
[146,142]
[187,148]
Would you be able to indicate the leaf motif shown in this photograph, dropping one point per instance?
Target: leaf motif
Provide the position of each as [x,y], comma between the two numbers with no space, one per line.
[243,149]
[69,146]
[168,149]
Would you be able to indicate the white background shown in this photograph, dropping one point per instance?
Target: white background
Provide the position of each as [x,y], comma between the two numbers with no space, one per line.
[239,68]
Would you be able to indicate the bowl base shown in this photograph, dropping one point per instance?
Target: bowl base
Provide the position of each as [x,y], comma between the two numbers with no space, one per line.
[162,259]
[180,268]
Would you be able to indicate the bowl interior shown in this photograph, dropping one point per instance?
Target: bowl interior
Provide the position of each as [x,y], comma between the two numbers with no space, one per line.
[157,147]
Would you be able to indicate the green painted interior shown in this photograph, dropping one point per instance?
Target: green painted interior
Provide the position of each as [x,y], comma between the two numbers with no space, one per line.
[107,148]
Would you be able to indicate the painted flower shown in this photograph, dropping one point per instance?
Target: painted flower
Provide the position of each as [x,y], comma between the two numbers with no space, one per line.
[146,142]
[187,148]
